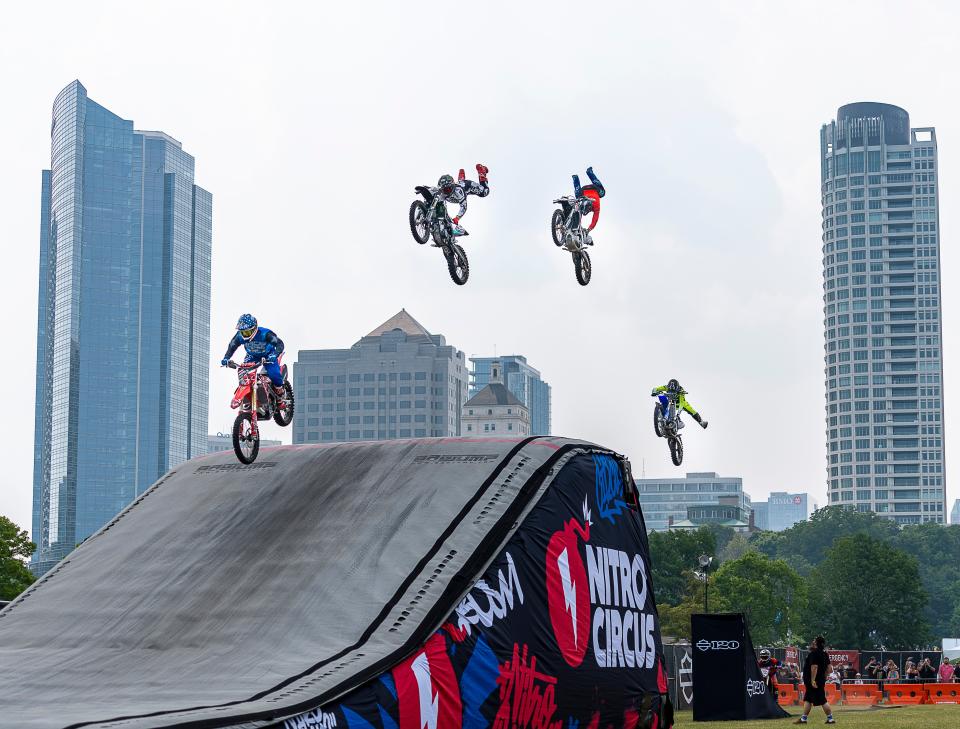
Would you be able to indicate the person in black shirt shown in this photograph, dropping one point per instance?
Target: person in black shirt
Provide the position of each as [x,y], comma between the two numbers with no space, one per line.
[927,671]
[815,671]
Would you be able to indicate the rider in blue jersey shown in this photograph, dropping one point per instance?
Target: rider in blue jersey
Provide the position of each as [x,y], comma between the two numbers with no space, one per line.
[260,343]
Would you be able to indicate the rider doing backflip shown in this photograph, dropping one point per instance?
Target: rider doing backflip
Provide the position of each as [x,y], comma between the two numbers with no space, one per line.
[673,392]
[260,344]
[588,201]
[452,191]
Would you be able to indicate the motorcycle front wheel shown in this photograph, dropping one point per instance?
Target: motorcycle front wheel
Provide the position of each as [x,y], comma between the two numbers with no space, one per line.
[457,264]
[556,227]
[245,444]
[657,421]
[676,450]
[582,267]
[284,417]
[418,222]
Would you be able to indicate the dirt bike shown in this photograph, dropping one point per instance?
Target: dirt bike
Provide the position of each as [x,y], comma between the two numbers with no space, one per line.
[256,399]
[569,233]
[429,217]
[667,424]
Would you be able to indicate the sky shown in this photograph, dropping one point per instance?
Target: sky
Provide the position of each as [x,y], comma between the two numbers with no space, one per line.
[311,124]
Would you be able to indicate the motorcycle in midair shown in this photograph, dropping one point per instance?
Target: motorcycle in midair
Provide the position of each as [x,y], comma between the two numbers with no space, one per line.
[667,424]
[568,232]
[429,218]
[256,400]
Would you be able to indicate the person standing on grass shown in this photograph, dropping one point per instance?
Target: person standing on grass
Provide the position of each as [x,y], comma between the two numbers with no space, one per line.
[815,671]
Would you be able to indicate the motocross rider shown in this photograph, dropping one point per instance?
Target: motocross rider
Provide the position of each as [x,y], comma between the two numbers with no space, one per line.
[260,343]
[768,668]
[588,201]
[673,391]
[456,192]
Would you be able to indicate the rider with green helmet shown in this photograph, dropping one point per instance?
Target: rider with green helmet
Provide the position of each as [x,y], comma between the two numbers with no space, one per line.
[672,391]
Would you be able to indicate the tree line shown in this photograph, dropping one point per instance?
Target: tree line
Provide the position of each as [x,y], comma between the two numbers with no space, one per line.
[857,578]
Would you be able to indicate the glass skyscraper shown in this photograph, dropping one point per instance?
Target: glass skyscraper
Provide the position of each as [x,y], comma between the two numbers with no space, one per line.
[523,381]
[883,355]
[123,335]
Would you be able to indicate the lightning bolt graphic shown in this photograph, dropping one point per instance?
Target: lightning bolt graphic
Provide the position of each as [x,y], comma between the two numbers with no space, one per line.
[429,702]
[569,590]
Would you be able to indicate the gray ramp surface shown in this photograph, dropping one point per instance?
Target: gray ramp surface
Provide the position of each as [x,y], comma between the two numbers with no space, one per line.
[230,595]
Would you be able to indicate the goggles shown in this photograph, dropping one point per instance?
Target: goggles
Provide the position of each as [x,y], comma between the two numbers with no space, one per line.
[247,333]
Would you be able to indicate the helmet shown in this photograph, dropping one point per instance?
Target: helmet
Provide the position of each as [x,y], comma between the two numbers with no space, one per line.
[764,654]
[247,326]
[446,184]
[674,386]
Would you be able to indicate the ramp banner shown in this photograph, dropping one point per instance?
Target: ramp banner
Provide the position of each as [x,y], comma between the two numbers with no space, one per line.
[561,630]
[727,683]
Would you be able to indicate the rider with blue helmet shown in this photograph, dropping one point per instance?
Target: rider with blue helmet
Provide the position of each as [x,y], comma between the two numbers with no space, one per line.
[260,343]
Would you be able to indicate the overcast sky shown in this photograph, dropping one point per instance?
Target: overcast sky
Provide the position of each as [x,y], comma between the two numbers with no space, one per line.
[311,127]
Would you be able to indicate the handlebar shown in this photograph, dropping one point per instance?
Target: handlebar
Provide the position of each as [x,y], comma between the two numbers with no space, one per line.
[245,365]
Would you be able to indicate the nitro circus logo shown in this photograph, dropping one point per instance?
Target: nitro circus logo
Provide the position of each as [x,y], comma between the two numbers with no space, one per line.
[427,692]
[622,634]
[718,645]
[755,688]
[568,594]
[312,720]
[488,605]
[527,696]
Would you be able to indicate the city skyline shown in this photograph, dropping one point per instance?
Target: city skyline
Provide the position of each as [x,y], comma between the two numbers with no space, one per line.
[740,324]
[123,320]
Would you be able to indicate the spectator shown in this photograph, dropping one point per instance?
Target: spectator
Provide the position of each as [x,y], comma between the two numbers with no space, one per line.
[848,673]
[872,668]
[858,679]
[910,672]
[926,670]
[892,672]
[947,672]
[814,681]
[834,677]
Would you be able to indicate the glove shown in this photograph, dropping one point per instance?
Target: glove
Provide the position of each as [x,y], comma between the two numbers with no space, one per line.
[653,393]
[223,362]
[482,172]
[456,220]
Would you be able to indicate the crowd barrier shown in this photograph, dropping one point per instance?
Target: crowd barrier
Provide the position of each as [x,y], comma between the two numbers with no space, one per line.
[869,693]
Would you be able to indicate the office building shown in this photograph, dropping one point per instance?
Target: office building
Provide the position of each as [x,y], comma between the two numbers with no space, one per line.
[664,501]
[883,370]
[495,411]
[780,511]
[224,442]
[523,381]
[123,320]
[399,381]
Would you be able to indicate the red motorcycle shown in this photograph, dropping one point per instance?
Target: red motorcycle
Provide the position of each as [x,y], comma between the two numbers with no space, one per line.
[256,399]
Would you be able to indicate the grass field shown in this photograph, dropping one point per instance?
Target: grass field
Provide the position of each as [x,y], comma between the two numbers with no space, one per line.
[908,717]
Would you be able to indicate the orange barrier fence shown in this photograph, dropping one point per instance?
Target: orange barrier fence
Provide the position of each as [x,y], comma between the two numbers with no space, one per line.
[906,693]
[788,696]
[862,694]
[942,693]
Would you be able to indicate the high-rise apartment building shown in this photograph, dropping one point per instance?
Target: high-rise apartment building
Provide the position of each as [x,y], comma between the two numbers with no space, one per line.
[523,381]
[664,501]
[123,320]
[882,314]
[399,381]
[955,512]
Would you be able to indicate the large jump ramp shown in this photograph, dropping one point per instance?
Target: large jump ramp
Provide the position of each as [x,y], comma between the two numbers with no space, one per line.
[426,584]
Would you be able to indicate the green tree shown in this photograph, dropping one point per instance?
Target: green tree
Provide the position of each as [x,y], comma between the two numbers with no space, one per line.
[738,546]
[866,594]
[675,619]
[15,549]
[673,557]
[805,544]
[937,550]
[769,592]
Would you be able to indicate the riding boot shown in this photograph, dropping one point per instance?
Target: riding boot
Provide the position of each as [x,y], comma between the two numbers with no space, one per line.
[703,423]
[281,394]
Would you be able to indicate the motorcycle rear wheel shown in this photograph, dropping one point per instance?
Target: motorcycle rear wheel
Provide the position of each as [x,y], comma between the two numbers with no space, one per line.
[556,227]
[676,450]
[418,222]
[245,444]
[657,421]
[582,267]
[283,418]
[457,264]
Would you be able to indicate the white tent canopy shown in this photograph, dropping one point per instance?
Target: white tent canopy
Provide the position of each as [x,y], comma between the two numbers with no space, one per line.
[951,648]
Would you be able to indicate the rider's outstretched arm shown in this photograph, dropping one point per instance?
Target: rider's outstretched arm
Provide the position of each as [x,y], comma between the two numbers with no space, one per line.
[658,390]
[273,342]
[235,342]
